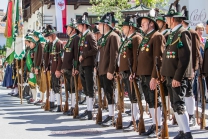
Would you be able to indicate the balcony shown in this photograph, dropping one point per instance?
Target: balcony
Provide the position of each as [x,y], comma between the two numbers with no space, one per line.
[27,13]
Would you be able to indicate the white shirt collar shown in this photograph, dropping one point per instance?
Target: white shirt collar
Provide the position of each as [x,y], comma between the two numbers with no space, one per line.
[85,32]
[165,31]
[150,31]
[73,35]
[176,27]
[130,35]
[55,40]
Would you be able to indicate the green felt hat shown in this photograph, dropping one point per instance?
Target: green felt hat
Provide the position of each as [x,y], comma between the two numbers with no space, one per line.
[30,39]
[37,34]
[130,20]
[72,24]
[185,12]
[175,11]
[106,19]
[49,31]
[113,18]
[151,16]
[161,18]
[42,40]
[83,19]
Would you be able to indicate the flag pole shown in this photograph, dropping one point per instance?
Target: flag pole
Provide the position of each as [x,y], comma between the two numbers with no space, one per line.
[22,79]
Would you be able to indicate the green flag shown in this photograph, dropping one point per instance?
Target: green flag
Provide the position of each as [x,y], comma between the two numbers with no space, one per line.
[19,44]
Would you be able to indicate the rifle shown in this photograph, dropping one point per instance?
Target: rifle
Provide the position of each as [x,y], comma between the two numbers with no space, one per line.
[47,104]
[141,119]
[203,100]
[66,106]
[76,109]
[165,134]
[99,114]
[119,124]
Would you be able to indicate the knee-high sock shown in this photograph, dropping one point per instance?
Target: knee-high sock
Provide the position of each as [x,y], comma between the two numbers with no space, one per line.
[12,91]
[178,121]
[190,105]
[159,116]
[73,100]
[116,95]
[152,112]
[58,99]
[135,111]
[90,104]
[52,96]
[16,90]
[184,122]
[87,100]
[34,93]
[111,109]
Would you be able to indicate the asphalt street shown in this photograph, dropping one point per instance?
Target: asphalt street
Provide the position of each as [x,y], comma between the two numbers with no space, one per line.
[23,121]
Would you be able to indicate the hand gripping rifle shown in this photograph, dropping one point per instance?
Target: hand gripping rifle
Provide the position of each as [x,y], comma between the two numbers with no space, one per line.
[141,119]
[119,122]
[76,109]
[47,104]
[165,134]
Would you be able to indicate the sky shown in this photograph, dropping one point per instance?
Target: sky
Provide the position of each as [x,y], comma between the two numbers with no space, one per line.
[3,5]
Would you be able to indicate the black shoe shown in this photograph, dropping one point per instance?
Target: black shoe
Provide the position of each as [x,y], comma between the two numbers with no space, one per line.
[83,114]
[28,97]
[87,117]
[108,121]
[192,121]
[95,106]
[128,112]
[153,135]
[52,106]
[11,93]
[70,112]
[15,95]
[58,108]
[187,135]
[81,103]
[206,128]
[129,127]
[149,131]
[180,135]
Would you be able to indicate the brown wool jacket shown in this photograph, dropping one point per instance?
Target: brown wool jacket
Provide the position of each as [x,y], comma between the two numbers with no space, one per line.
[47,54]
[90,51]
[176,67]
[195,49]
[145,64]
[124,65]
[71,55]
[109,54]
[56,65]
[38,56]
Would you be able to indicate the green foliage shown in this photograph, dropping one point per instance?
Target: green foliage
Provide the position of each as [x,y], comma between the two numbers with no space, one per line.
[152,3]
[101,7]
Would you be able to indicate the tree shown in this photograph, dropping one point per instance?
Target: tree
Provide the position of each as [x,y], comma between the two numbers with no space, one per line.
[153,3]
[101,7]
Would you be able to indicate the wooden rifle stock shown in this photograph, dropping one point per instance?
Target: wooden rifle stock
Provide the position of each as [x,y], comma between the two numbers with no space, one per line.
[203,100]
[47,104]
[119,123]
[165,134]
[137,92]
[66,106]
[99,114]
[76,109]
